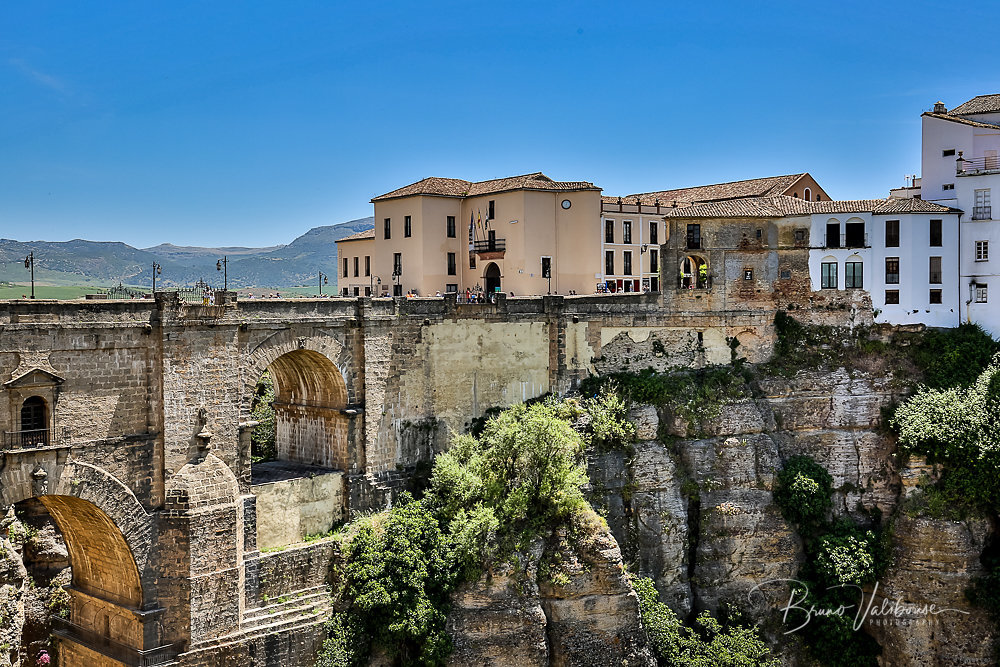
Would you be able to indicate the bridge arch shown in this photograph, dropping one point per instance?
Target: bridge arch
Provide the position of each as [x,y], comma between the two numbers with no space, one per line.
[312,398]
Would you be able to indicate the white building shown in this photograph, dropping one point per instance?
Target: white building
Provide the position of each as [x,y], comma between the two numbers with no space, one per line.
[903,251]
[961,168]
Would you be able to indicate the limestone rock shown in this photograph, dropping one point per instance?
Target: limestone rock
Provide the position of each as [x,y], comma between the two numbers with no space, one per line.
[647,422]
[934,562]
[13,583]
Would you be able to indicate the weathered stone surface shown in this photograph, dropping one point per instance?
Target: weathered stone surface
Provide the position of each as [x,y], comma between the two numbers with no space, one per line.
[13,583]
[934,561]
[647,422]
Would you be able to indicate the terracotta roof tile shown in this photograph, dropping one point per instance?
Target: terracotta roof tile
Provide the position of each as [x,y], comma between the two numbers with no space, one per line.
[978,104]
[783,206]
[959,119]
[754,187]
[453,187]
[359,236]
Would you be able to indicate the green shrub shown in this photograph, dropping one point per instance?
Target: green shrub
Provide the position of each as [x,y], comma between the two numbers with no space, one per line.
[262,437]
[609,427]
[954,357]
[803,491]
[710,645]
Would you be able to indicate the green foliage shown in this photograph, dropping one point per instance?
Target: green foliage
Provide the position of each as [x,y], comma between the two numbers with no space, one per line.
[961,427]
[710,645]
[843,560]
[609,428]
[954,357]
[262,437]
[692,395]
[398,577]
[803,491]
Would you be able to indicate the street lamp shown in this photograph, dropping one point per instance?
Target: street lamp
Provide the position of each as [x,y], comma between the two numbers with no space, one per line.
[156,272]
[29,263]
[322,281]
[223,265]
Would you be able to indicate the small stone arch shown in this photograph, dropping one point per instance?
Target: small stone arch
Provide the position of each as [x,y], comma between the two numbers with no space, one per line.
[693,273]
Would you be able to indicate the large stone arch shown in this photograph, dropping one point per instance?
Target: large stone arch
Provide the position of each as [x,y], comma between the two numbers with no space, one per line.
[313,397]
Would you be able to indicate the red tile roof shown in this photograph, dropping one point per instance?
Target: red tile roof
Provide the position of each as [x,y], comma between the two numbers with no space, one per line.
[754,187]
[454,187]
[778,207]
[359,236]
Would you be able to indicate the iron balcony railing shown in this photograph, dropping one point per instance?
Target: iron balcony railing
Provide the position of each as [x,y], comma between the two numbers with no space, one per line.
[846,240]
[982,212]
[491,245]
[38,437]
[979,165]
[127,655]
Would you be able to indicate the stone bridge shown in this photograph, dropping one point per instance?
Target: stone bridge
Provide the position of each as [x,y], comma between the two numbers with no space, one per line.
[130,422]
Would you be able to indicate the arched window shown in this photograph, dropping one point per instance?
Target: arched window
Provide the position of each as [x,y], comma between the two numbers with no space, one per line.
[34,422]
[693,273]
[807,194]
[795,194]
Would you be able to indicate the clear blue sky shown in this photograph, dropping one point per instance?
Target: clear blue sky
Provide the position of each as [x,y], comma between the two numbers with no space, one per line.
[225,123]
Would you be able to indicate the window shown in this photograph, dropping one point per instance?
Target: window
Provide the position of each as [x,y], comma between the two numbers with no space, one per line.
[892,270]
[368,290]
[451,287]
[855,235]
[786,274]
[980,292]
[934,274]
[452,268]
[982,251]
[935,234]
[747,274]
[345,267]
[546,267]
[819,197]
[800,235]
[490,211]
[892,233]
[356,267]
[397,263]
[451,226]
[948,186]
[34,425]
[653,231]
[407,226]
[829,275]
[981,209]
[934,296]
[833,235]
[609,231]
[854,275]
[357,291]
[891,297]
[807,194]
[626,231]
[760,234]
[472,260]
[397,290]
[627,262]
[654,261]
[948,152]
[368,265]
[344,291]
[609,262]
[694,237]
[387,228]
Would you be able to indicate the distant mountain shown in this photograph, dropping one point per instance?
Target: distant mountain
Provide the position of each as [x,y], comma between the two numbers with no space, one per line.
[80,262]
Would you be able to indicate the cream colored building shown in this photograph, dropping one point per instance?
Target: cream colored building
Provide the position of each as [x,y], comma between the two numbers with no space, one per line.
[632,227]
[524,234]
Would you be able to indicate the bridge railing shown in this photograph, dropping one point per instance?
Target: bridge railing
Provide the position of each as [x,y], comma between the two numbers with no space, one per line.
[127,655]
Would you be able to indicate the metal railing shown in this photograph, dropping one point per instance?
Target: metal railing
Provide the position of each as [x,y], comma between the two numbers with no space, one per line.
[491,245]
[846,241]
[979,165]
[38,437]
[129,656]
[982,212]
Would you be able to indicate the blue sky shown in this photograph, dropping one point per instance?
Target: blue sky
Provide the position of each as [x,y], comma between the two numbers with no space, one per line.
[224,123]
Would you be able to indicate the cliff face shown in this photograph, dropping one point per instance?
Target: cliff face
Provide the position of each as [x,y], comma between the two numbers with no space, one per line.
[13,586]
[696,513]
[567,603]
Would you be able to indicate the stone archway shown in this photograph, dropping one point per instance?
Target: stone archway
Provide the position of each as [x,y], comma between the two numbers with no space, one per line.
[310,410]
[491,278]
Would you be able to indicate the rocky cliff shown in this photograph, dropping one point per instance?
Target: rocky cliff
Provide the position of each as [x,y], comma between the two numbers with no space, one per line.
[691,506]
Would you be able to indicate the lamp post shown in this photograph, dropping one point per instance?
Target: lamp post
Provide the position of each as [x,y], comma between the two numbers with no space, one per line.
[223,265]
[322,281]
[29,263]
[156,271]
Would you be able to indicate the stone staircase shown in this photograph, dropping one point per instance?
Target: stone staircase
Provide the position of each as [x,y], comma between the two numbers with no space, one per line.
[299,608]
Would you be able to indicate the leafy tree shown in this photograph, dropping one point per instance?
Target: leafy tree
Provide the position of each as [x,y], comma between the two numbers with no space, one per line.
[710,645]
[803,491]
[609,427]
[262,437]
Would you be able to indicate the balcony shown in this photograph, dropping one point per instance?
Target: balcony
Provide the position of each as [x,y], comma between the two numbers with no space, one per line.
[491,248]
[982,212]
[127,655]
[26,439]
[846,240]
[976,166]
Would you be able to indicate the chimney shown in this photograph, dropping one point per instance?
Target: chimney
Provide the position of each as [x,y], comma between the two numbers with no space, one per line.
[939,107]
